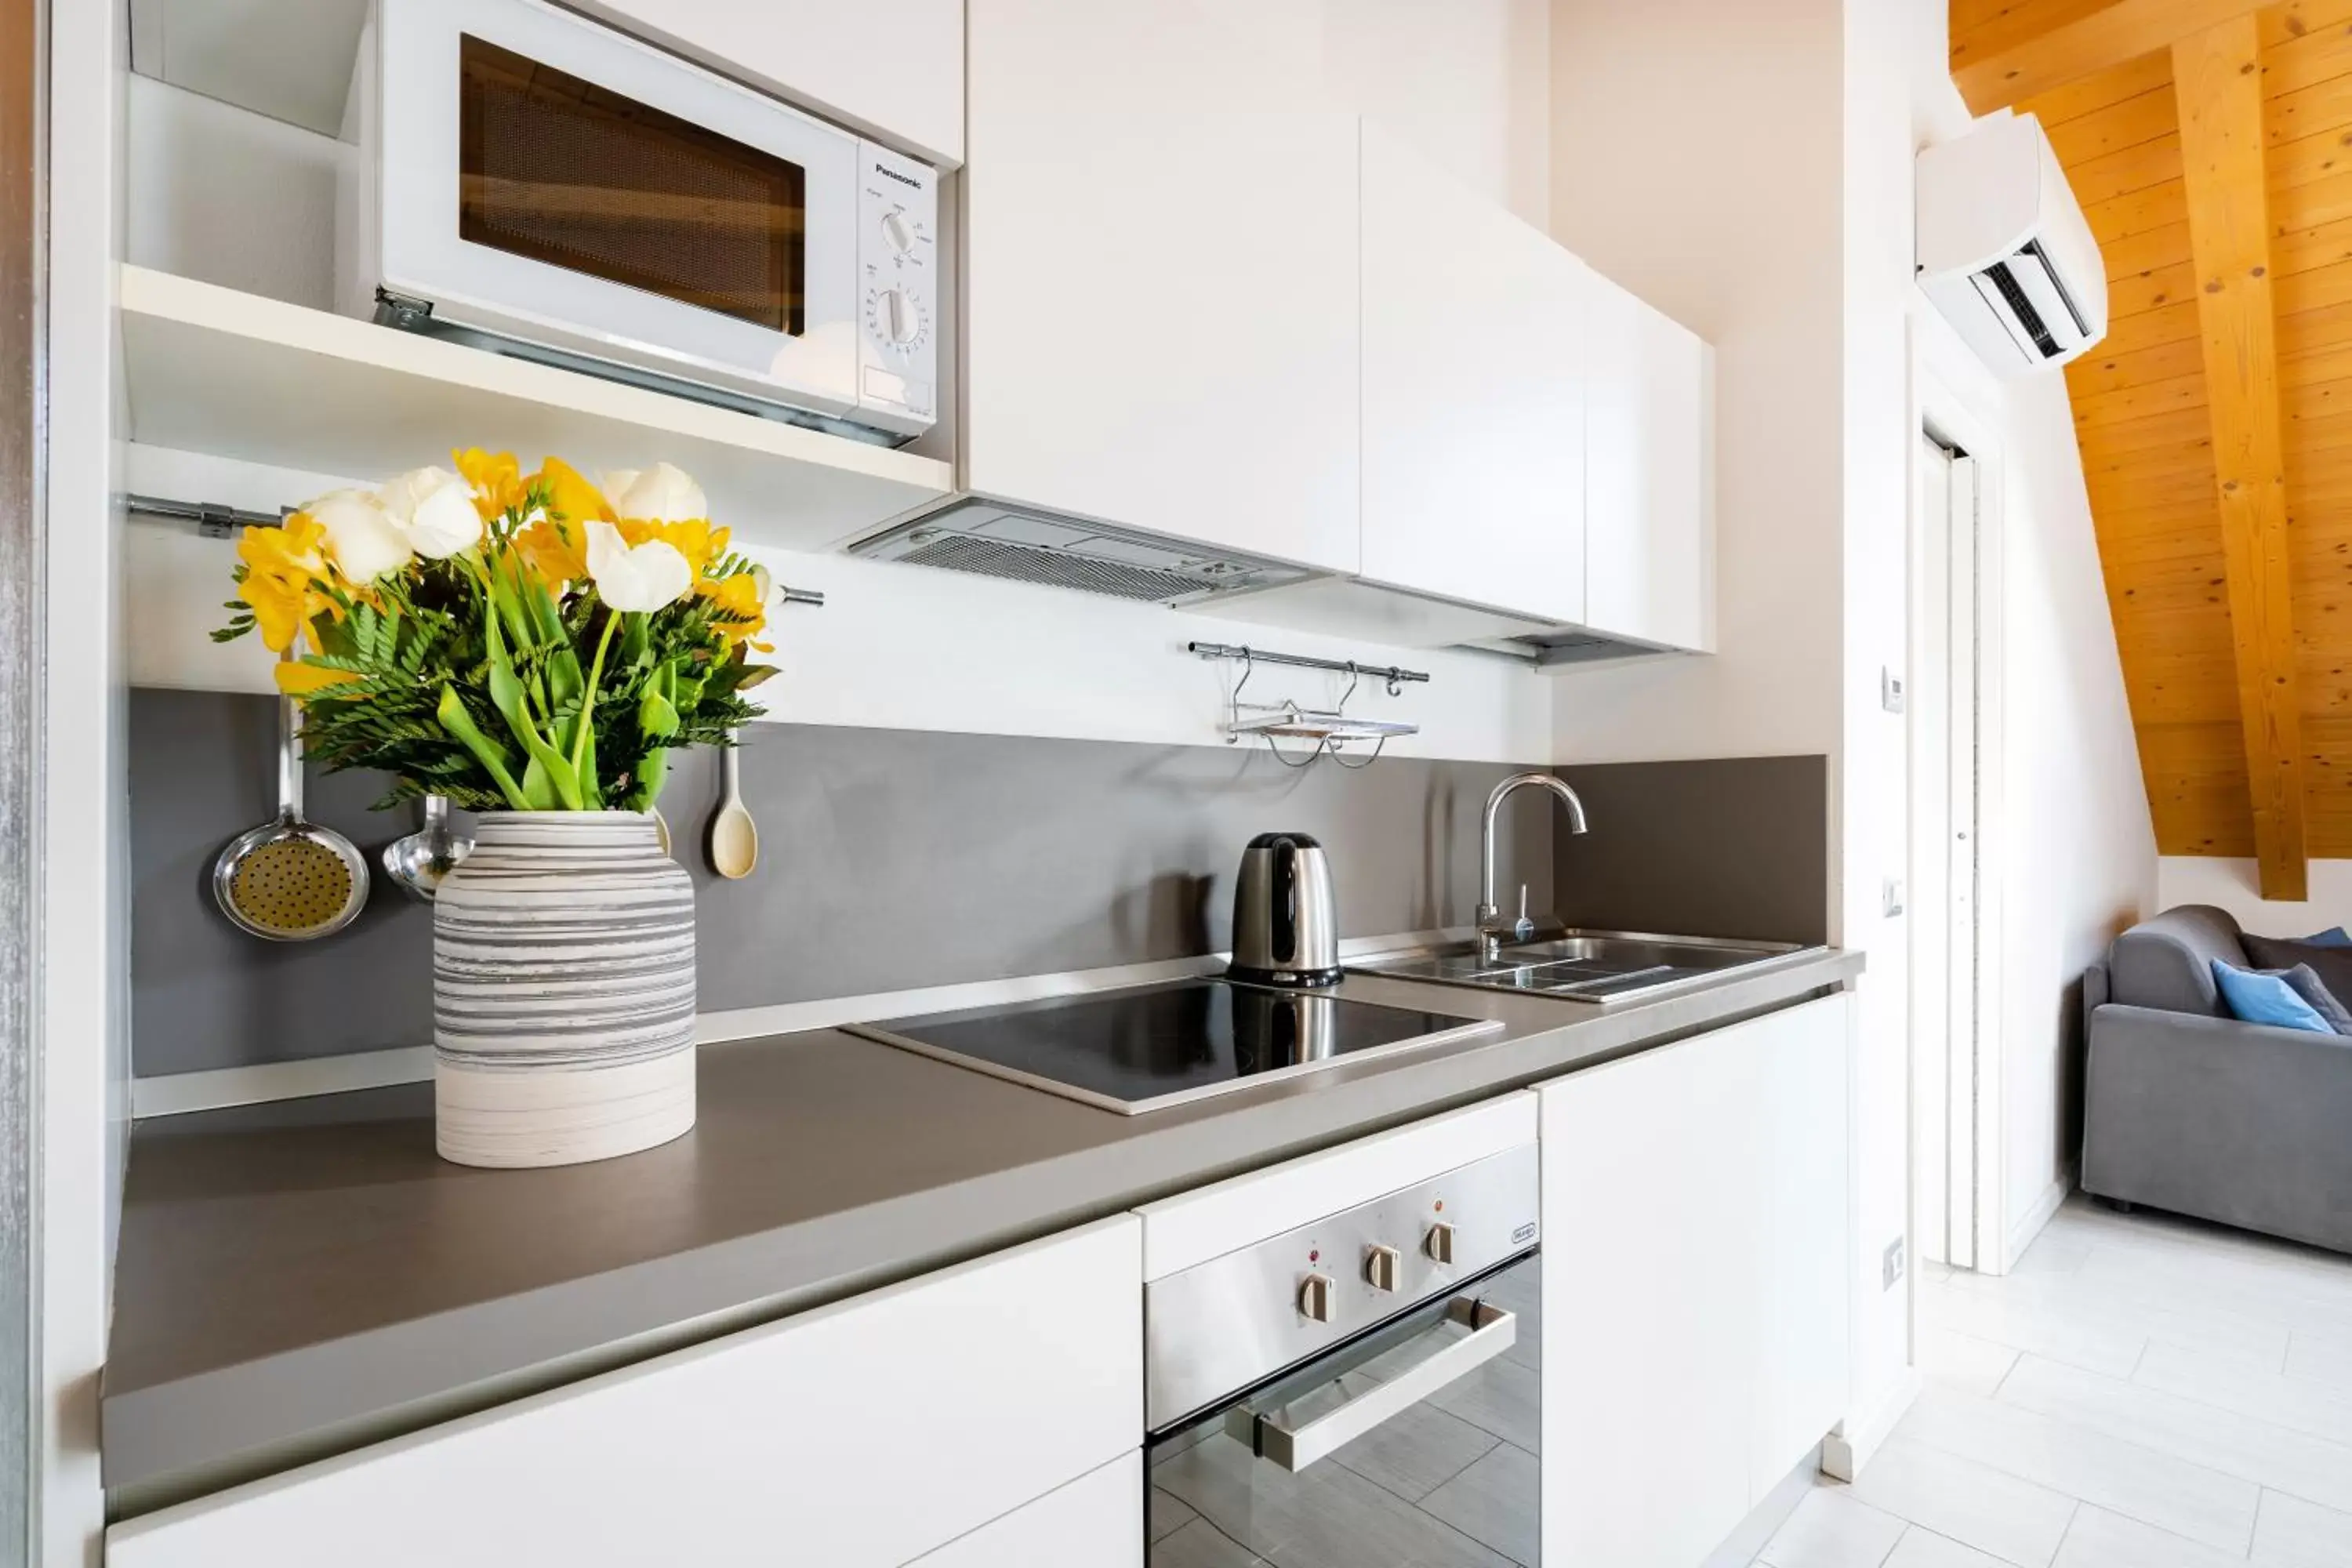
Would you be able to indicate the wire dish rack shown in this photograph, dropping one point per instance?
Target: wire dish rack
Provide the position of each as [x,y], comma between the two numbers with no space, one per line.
[1329,729]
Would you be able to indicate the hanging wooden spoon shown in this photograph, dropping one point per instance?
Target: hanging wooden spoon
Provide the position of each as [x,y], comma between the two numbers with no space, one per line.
[734,840]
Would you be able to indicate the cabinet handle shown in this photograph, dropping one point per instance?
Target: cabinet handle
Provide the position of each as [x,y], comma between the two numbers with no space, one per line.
[1493,1330]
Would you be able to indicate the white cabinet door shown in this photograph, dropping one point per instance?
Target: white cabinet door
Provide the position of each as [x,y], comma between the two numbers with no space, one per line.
[1802,1304]
[1095,1522]
[890,67]
[1160,287]
[857,1435]
[1649,515]
[1474,406]
[1695,1284]
[1646,1253]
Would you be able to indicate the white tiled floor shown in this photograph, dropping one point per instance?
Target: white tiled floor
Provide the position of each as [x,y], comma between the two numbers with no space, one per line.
[2144,1392]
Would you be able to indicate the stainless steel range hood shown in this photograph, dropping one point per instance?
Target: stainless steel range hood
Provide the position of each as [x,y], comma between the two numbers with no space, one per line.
[973,533]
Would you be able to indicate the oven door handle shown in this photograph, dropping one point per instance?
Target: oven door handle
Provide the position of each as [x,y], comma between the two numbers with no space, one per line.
[1493,1330]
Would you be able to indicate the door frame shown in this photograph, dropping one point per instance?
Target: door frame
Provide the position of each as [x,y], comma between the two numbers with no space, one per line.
[1941,413]
[23,100]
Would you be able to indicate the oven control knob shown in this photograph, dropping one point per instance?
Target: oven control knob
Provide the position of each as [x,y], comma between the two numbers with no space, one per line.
[1439,1243]
[1315,1297]
[897,231]
[895,317]
[1380,1268]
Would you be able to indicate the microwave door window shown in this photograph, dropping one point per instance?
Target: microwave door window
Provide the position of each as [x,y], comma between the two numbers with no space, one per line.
[560,170]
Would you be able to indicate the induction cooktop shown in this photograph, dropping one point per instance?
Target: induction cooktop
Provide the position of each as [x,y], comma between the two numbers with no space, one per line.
[1151,1046]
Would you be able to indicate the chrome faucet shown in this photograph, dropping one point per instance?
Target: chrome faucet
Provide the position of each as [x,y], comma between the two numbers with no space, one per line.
[1493,929]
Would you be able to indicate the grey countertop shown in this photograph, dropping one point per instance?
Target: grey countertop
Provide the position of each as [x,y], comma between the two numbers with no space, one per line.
[303,1278]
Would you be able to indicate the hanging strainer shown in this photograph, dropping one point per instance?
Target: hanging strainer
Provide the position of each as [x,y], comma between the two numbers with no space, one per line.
[291,881]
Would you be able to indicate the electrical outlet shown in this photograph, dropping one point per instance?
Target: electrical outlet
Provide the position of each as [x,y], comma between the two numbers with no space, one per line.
[1891,896]
[1890,691]
[1892,1270]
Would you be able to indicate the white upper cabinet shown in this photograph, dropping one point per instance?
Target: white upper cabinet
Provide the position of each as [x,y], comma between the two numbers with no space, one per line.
[891,67]
[1649,518]
[1473,394]
[1160,294]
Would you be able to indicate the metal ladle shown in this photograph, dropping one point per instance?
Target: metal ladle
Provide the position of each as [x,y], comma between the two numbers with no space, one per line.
[419,861]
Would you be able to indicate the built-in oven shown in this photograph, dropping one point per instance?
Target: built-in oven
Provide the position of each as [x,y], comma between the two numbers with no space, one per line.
[543,182]
[1366,1388]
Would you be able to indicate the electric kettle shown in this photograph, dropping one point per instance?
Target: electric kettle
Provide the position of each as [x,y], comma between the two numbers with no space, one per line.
[1286,927]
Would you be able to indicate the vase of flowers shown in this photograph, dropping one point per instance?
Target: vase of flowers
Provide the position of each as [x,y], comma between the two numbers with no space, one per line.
[531,646]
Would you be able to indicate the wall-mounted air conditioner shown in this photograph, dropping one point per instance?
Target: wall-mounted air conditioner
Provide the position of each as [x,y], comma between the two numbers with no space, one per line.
[2003,248]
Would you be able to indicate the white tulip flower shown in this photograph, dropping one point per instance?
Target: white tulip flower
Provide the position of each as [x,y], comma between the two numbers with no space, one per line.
[361,536]
[636,577]
[435,508]
[659,494]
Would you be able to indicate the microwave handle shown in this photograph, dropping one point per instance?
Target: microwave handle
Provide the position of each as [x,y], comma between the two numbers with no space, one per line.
[1493,1330]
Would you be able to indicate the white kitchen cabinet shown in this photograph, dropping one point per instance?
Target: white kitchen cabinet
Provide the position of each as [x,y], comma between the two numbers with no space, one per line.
[1694,1283]
[891,67]
[862,1435]
[1473,394]
[1160,294]
[1649,513]
[1095,1522]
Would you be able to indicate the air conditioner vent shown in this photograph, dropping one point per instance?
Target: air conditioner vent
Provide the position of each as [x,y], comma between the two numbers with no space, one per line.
[1024,545]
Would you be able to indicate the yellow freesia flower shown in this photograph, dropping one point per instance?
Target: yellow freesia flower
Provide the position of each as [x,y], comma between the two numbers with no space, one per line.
[497,480]
[695,539]
[299,680]
[573,498]
[556,550]
[286,577]
[741,601]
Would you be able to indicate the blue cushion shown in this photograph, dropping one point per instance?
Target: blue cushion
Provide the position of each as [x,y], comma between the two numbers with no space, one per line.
[2255,998]
[2313,989]
[2333,936]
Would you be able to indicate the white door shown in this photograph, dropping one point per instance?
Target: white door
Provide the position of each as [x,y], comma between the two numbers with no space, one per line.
[1944,893]
[1649,519]
[1161,286]
[1473,394]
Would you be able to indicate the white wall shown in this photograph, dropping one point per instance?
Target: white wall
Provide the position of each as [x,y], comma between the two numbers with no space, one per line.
[1749,171]
[2078,854]
[1467,84]
[2235,884]
[899,646]
[1695,160]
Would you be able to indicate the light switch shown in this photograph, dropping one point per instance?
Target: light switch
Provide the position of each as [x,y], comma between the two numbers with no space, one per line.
[1894,896]
[1890,691]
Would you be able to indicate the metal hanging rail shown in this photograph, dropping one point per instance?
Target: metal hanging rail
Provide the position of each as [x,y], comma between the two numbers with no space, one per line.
[1247,655]
[216,520]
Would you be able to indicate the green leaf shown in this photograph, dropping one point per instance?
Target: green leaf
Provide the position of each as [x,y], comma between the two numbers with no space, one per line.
[453,717]
[656,717]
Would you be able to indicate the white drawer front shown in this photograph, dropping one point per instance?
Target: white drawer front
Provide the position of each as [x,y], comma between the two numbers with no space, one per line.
[1095,1522]
[867,1433]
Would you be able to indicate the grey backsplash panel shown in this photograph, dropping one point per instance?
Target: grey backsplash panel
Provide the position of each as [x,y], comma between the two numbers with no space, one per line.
[1731,848]
[889,859]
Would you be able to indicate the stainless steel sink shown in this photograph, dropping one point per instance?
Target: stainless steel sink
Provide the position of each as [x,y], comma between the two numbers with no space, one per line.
[1585,965]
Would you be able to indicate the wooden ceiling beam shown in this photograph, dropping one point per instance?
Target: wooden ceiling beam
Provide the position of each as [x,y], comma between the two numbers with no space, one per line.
[2217,72]
[2106,38]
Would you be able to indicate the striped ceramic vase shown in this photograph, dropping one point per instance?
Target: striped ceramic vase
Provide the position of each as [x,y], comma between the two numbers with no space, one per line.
[562,991]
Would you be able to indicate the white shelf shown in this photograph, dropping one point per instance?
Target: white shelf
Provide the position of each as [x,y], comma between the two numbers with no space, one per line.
[216,371]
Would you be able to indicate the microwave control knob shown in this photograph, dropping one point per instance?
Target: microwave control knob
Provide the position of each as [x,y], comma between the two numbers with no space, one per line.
[1315,1297]
[1439,1243]
[1381,1265]
[894,317]
[897,231]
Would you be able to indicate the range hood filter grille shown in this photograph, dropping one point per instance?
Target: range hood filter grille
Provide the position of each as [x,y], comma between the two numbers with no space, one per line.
[1059,569]
[1027,544]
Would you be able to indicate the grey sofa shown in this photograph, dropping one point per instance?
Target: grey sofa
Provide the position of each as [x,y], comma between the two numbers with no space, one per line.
[2187,1109]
